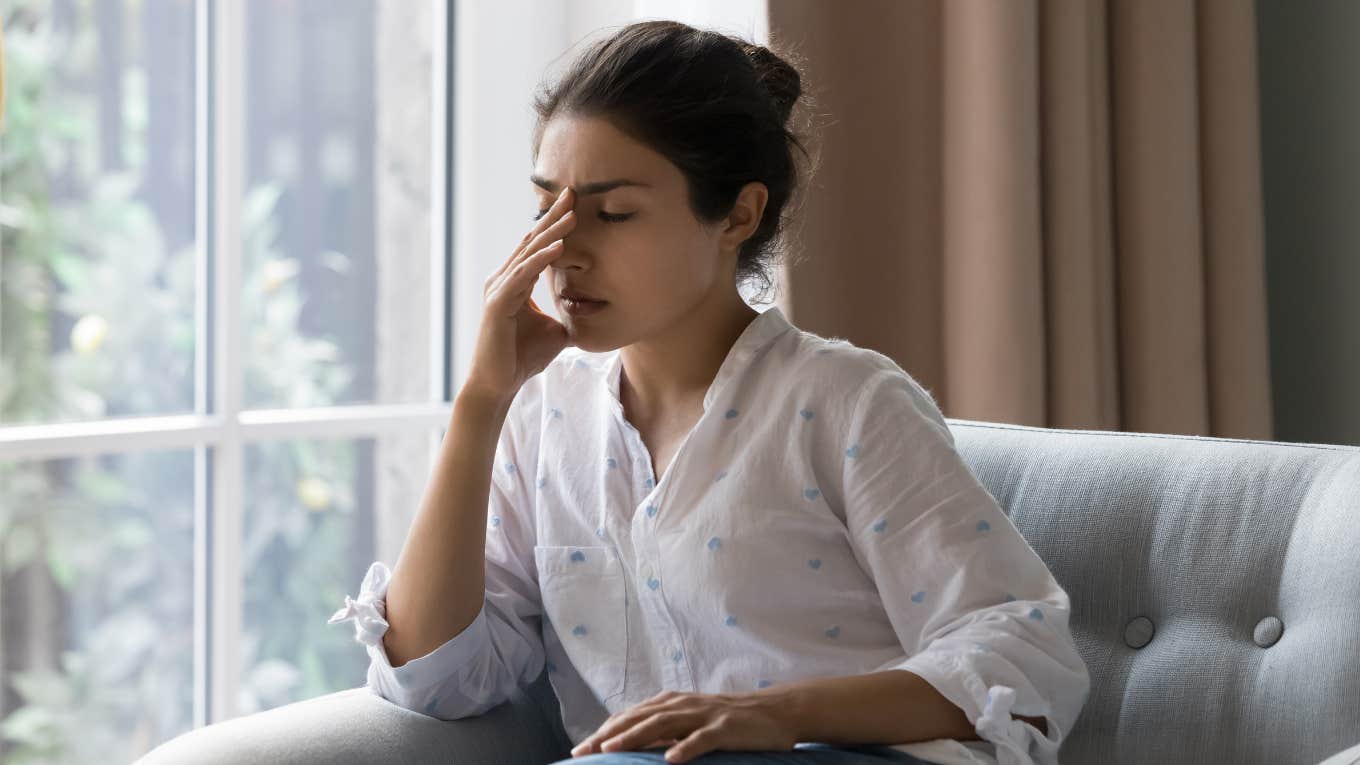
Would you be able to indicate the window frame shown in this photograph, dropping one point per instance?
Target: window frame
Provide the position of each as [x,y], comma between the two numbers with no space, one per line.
[219,429]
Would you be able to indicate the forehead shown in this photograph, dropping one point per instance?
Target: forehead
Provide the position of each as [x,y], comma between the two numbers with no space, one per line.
[578,150]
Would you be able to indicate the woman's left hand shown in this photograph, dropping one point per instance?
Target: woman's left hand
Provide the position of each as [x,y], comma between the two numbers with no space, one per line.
[699,722]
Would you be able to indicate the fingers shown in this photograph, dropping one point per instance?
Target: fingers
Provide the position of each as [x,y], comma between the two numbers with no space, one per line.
[548,228]
[700,741]
[662,725]
[518,283]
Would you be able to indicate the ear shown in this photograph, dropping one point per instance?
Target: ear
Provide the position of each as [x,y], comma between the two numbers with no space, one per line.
[745,217]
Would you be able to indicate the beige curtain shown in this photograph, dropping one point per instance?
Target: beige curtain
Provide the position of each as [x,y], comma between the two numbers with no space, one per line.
[1047,211]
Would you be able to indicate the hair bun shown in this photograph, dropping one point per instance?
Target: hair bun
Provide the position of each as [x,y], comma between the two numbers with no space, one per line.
[780,79]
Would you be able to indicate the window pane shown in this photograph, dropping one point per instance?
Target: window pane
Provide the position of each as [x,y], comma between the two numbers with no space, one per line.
[317,513]
[336,219]
[97,210]
[96,606]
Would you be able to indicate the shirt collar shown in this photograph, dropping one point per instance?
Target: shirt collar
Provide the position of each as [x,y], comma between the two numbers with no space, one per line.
[760,332]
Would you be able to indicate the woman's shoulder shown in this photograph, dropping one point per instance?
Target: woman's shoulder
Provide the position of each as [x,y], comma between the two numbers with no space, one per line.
[849,378]
[850,365]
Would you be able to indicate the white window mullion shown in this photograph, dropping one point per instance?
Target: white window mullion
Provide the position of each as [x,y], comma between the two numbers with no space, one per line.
[441,232]
[440,133]
[184,431]
[202,347]
[226,168]
[113,436]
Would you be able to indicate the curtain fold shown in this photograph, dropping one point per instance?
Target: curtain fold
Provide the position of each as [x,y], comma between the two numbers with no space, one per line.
[1049,213]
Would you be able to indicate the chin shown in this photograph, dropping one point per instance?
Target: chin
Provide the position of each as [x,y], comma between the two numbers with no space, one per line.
[588,341]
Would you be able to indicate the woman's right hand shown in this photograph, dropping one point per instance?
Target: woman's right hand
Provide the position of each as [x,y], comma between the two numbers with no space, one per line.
[516,339]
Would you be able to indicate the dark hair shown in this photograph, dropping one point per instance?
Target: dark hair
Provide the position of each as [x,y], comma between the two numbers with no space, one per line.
[715,105]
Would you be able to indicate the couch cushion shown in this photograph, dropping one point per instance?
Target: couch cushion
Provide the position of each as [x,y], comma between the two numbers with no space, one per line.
[1215,586]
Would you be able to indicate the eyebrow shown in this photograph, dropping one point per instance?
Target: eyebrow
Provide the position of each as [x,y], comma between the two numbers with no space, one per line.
[586,189]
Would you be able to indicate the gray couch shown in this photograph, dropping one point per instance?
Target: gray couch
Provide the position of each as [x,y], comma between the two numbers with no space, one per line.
[1215,590]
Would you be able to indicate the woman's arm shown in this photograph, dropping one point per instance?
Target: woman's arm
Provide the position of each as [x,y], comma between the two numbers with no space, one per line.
[438,583]
[980,616]
[892,707]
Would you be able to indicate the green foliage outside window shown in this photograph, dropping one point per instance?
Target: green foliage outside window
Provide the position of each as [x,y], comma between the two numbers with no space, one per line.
[97,319]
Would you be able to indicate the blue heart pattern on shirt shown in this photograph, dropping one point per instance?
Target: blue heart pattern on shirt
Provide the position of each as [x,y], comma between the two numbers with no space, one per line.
[1036,614]
[807,415]
[815,563]
[853,452]
[714,543]
[731,413]
[834,631]
[653,583]
[509,467]
[880,526]
[811,493]
[612,463]
[984,526]
[578,556]
[763,684]
[918,597]
[731,621]
[651,511]
[430,707]
[556,413]
[579,629]
[495,521]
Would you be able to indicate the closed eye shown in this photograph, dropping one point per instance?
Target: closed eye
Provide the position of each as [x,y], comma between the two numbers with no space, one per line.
[604,216]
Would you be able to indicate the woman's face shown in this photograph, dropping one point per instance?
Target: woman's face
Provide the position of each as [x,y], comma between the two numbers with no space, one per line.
[636,245]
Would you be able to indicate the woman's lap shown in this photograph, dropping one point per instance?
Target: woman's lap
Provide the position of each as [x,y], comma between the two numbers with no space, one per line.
[803,754]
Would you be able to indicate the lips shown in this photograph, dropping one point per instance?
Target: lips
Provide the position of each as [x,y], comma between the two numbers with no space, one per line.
[570,294]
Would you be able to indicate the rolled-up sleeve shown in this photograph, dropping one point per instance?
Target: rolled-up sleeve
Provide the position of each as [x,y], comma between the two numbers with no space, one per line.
[502,649]
[979,614]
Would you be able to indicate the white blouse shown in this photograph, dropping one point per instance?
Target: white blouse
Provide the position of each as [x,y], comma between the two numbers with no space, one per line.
[817,521]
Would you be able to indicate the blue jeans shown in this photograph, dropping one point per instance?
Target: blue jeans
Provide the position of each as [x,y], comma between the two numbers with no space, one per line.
[808,753]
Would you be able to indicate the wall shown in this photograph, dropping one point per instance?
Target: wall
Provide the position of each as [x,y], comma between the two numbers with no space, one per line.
[1309,67]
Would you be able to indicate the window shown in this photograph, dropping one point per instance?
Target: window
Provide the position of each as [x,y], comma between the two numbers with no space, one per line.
[227,301]
[223,356]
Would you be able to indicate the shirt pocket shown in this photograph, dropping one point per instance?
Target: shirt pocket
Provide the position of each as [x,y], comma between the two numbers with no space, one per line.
[585,600]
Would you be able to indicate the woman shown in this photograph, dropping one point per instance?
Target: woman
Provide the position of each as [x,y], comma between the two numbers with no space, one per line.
[727,540]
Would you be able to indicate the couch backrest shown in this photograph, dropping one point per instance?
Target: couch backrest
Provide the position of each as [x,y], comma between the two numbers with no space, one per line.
[1215,586]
